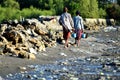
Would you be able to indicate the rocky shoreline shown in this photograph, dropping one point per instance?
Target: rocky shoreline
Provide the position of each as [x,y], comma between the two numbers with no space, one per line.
[39,44]
[97,45]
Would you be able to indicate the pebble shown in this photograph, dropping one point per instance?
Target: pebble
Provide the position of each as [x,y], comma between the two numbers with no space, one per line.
[73,78]
[22,68]
[63,54]
[1,78]
[72,69]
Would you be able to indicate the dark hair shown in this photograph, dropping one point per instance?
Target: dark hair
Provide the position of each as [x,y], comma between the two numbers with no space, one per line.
[65,9]
[77,12]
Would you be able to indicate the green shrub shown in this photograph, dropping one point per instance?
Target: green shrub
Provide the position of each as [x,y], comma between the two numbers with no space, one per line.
[102,13]
[2,15]
[11,14]
[34,12]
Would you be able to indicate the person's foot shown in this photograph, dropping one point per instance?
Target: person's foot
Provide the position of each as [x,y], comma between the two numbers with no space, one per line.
[66,46]
[75,45]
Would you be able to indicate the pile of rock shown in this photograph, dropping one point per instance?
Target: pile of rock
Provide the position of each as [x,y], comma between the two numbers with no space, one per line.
[29,37]
[97,24]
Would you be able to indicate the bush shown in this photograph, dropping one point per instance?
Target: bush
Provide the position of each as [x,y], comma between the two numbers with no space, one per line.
[10,14]
[102,13]
[2,15]
[34,12]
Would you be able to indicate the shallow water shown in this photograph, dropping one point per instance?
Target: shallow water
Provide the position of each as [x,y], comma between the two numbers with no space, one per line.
[71,69]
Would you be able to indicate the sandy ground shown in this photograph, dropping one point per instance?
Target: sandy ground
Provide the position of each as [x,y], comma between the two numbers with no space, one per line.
[88,47]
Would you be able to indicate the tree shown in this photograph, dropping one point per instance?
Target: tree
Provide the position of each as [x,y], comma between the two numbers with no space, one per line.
[89,8]
[73,6]
[113,11]
[58,5]
[93,9]
[28,3]
[11,4]
[50,3]
[84,8]
[102,13]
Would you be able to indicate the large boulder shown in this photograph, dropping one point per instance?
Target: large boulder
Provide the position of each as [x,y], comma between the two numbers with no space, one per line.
[14,36]
[29,38]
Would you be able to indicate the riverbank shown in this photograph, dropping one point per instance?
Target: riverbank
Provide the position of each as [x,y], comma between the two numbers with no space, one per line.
[97,44]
